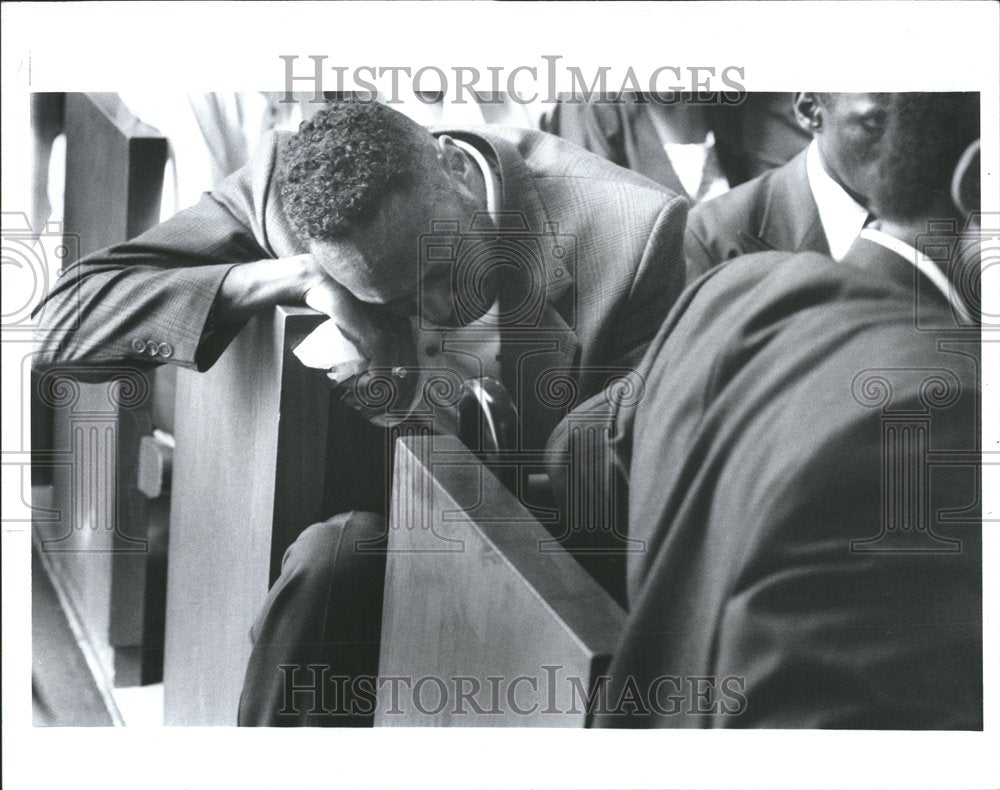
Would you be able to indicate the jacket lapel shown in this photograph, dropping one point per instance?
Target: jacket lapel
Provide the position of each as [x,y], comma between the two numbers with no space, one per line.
[790,221]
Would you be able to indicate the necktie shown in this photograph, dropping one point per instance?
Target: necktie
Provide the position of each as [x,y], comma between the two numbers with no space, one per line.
[711,173]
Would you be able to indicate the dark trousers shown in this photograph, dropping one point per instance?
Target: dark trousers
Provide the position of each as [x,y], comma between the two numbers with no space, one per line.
[316,641]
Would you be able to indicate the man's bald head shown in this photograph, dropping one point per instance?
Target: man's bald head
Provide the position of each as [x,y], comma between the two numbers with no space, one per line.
[890,151]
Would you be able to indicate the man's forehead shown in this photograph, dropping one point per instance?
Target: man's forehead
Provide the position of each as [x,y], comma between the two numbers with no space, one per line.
[860,103]
[336,252]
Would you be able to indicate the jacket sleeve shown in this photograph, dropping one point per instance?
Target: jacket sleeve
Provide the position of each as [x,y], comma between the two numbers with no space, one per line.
[148,301]
[885,636]
[658,282]
[594,478]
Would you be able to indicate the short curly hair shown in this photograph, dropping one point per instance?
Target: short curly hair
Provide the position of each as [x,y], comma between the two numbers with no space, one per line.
[341,163]
[925,139]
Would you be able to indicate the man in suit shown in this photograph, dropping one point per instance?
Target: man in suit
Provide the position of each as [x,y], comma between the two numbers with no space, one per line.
[688,144]
[803,473]
[818,202]
[493,252]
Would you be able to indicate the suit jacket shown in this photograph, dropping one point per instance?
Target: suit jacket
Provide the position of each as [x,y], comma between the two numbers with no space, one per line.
[775,211]
[621,132]
[752,137]
[603,264]
[803,566]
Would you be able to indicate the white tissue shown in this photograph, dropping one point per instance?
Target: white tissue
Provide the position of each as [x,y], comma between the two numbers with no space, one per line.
[327,349]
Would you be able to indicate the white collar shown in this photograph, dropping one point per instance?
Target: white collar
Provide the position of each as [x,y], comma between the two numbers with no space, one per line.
[924,264]
[489,177]
[841,215]
[688,161]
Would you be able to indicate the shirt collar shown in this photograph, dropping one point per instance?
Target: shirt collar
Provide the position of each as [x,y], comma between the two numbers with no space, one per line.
[926,266]
[841,215]
[489,176]
[689,161]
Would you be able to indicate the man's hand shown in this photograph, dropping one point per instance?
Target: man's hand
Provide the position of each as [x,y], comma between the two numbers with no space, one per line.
[383,338]
[251,287]
[384,392]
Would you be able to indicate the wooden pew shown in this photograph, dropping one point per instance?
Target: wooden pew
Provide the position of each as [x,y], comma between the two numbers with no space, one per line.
[104,540]
[250,463]
[477,589]
[263,452]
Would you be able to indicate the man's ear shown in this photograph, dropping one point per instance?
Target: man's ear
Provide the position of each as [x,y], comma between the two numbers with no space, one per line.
[809,112]
[965,181]
[457,164]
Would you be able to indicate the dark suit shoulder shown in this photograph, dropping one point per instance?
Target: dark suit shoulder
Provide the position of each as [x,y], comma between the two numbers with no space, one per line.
[726,226]
[774,211]
[791,278]
[736,208]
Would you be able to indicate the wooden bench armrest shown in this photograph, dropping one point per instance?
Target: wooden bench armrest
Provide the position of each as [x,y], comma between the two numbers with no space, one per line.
[477,589]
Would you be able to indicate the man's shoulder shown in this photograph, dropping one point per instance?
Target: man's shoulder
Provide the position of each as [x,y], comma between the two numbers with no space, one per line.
[546,156]
[817,320]
[252,195]
[774,211]
[743,279]
[744,206]
[782,287]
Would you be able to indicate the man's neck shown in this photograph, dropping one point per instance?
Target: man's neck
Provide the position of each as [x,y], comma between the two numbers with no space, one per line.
[904,239]
[908,233]
[478,185]
[911,232]
[861,200]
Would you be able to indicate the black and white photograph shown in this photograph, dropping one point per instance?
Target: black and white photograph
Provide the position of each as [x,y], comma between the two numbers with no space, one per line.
[501,394]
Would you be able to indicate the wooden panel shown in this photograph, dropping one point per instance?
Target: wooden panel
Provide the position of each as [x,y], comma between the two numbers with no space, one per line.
[100,547]
[114,171]
[476,589]
[93,531]
[249,465]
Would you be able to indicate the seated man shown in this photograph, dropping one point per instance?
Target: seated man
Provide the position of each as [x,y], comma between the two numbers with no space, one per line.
[818,202]
[496,252]
[690,144]
[804,473]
